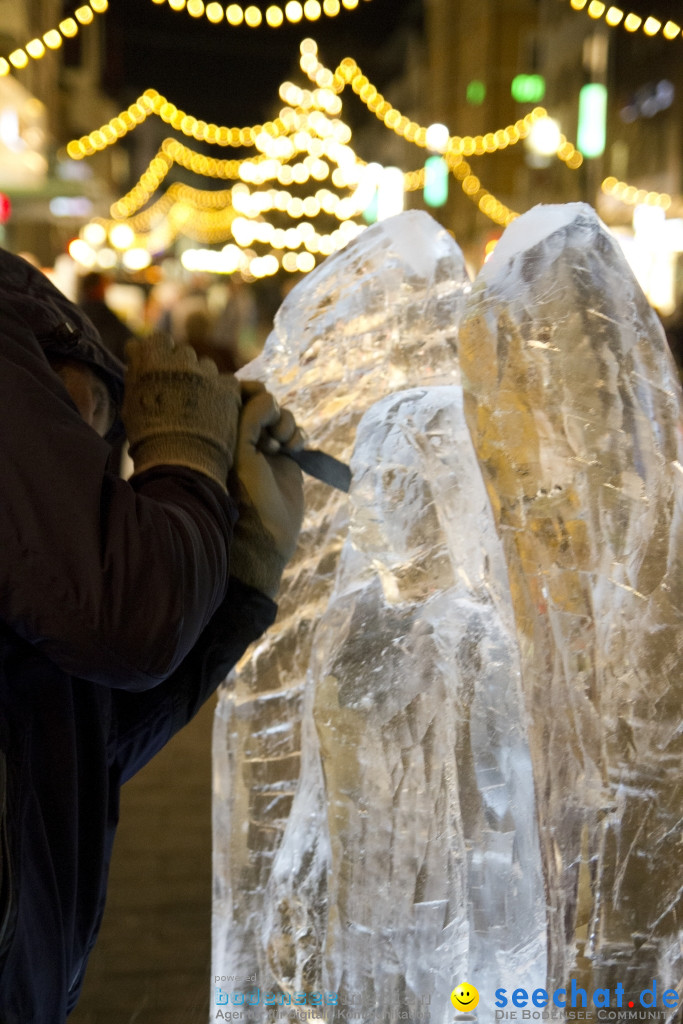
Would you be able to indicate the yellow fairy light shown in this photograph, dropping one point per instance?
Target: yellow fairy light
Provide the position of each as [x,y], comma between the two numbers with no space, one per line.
[252,16]
[18,58]
[632,196]
[35,48]
[121,236]
[52,39]
[471,184]
[68,28]
[614,16]
[274,16]
[294,12]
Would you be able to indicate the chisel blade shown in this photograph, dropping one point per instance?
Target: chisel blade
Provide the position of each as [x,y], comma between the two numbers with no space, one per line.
[323,467]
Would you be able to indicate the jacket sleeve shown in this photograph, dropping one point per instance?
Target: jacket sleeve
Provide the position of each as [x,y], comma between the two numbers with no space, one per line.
[113,581]
[144,722]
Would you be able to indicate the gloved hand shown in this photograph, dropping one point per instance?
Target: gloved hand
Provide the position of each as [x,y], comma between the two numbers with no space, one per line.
[178,410]
[268,489]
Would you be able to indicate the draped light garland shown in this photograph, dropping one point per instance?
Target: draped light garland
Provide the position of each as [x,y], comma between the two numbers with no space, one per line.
[348,72]
[614,16]
[238,213]
[153,102]
[632,196]
[274,15]
[308,126]
[36,48]
[234,14]
[457,148]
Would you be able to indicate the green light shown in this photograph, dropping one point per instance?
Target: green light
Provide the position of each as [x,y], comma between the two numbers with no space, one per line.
[590,136]
[528,88]
[476,92]
[435,192]
[370,211]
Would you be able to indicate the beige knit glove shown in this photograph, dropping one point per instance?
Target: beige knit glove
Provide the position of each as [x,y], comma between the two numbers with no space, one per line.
[268,491]
[178,410]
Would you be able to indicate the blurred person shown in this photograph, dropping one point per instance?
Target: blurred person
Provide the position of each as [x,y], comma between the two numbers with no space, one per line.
[196,330]
[189,301]
[232,336]
[92,291]
[122,604]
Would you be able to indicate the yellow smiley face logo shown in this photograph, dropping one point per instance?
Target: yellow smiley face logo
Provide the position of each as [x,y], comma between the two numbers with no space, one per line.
[464,997]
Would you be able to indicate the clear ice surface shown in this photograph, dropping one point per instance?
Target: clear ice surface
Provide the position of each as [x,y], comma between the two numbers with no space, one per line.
[365,323]
[411,856]
[576,416]
[456,755]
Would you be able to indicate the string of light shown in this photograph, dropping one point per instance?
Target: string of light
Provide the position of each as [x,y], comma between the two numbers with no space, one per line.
[250,203]
[211,218]
[36,48]
[274,15]
[153,102]
[632,196]
[309,125]
[457,147]
[348,72]
[614,16]
[263,169]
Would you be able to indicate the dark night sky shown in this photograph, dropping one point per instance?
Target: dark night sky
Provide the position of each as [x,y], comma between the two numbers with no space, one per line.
[231,75]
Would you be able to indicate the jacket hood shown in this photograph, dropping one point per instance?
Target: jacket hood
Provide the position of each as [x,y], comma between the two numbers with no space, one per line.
[62,329]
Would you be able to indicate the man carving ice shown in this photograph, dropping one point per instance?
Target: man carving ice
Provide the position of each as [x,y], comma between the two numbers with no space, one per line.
[122,604]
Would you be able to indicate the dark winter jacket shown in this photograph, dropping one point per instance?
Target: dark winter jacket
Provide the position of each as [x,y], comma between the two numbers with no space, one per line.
[117,620]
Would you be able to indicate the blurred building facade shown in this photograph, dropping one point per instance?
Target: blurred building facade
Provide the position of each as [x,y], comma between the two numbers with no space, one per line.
[451,62]
[42,106]
[474,53]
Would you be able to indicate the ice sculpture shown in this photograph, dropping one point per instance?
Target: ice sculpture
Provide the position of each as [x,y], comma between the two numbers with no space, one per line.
[375,318]
[411,857]
[488,678]
[575,413]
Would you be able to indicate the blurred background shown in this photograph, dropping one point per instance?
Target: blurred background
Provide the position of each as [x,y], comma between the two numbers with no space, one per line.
[185,163]
[178,146]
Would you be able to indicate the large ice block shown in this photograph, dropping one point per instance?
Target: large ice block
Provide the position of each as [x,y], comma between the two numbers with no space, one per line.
[456,757]
[575,413]
[411,857]
[376,317]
